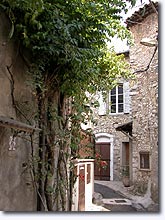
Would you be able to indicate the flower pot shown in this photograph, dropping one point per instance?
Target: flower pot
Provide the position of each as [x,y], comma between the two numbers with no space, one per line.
[126,181]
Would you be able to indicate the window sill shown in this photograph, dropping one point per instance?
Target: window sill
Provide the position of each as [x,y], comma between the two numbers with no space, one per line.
[147,170]
[121,113]
[114,114]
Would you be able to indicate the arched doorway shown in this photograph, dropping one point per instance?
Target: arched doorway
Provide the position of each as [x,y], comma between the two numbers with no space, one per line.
[104,146]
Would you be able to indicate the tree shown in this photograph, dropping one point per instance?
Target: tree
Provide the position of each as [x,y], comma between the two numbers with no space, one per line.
[66,41]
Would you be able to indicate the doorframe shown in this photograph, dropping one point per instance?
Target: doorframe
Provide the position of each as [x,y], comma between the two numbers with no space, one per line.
[106,138]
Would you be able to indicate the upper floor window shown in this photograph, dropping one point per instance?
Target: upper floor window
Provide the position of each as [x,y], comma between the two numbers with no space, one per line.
[116,99]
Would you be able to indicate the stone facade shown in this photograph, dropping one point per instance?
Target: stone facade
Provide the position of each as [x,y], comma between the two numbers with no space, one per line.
[144,98]
[144,108]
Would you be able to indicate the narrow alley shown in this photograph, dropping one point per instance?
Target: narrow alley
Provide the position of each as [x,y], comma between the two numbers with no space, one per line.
[113,196]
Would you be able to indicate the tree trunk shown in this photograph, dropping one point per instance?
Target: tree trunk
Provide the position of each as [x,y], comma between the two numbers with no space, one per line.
[54,154]
[41,201]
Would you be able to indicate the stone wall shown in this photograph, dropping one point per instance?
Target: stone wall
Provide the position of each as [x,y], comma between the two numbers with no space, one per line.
[17,188]
[145,105]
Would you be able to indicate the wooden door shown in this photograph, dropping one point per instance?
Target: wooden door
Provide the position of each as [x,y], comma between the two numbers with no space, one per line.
[104,150]
[125,154]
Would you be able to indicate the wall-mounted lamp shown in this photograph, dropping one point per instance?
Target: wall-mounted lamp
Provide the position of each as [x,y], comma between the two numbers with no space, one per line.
[149,42]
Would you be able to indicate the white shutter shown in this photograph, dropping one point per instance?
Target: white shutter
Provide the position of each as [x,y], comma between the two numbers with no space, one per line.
[102,105]
[127,98]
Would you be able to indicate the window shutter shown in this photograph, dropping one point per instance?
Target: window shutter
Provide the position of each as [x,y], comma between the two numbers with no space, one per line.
[102,105]
[127,98]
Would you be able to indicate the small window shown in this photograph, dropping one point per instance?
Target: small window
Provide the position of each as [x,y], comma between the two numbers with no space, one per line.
[145,160]
[116,99]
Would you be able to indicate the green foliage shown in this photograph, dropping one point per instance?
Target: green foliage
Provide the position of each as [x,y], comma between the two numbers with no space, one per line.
[67,43]
[125,170]
[67,39]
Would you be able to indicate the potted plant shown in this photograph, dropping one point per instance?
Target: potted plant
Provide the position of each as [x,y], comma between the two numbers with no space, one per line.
[125,175]
[101,164]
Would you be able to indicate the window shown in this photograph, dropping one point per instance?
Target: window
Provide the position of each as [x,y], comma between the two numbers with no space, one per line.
[145,160]
[116,99]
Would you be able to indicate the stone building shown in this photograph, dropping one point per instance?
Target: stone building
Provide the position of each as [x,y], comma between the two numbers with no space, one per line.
[112,144]
[144,98]
[126,133]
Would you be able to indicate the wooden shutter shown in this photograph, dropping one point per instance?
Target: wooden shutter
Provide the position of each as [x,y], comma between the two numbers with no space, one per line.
[127,99]
[102,105]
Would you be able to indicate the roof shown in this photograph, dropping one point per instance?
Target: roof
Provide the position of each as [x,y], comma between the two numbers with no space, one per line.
[126,128]
[142,13]
[11,123]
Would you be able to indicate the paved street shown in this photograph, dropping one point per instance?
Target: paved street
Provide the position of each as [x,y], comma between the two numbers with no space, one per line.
[106,191]
[112,200]
[113,196]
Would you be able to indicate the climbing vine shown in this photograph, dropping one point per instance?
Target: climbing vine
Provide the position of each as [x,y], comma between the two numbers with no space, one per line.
[67,57]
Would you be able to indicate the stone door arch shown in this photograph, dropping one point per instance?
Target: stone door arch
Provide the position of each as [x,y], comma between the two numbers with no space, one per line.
[104,144]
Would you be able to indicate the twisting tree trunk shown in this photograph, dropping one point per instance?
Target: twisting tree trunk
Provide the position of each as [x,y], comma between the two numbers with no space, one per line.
[54,153]
[62,172]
